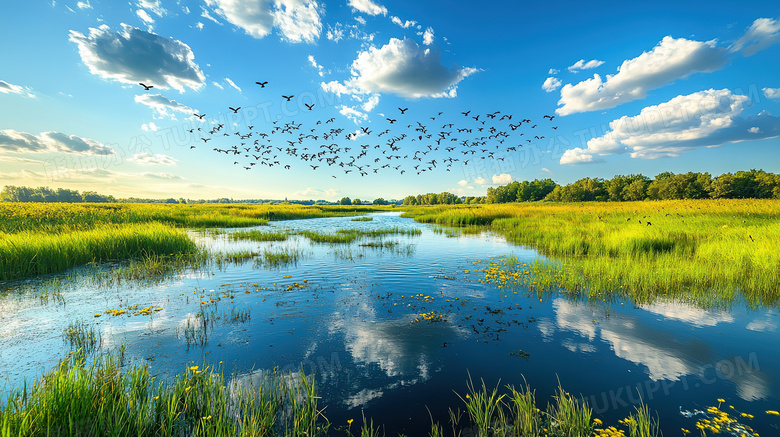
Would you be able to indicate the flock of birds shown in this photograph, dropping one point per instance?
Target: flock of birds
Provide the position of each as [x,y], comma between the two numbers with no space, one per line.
[398,143]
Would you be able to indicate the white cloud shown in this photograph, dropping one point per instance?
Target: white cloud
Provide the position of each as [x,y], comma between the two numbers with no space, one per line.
[23,142]
[707,118]
[341,31]
[8,88]
[297,20]
[199,25]
[84,5]
[551,84]
[546,170]
[336,33]
[502,179]
[770,93]
[218,85]
[370,103]
[583,65]
[463,182]
[405,24]
[314,64]
[152,159]
[367,7]
[671,59]
[164,176]
[353,114]
[205,14]
[360,20]
[149,127]
[154,6]
[553,71]
[688,314]
[163,106]
[405,69]
[144,16]
[761,34]
[231,83]
[428,36]
[480,180]
[318,193]
[134,55]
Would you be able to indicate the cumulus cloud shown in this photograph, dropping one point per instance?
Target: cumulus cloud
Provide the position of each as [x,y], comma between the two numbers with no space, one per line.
[149,127]
[428,36]
[770,93]
[480,180]
[502,179]
[367,7]
[553,71]
[296,20]
[405,24]
[583,65]
[463,182]
[134,55]
[761,34]
[23,142]
[670,60]
[404,68]
[163,106]
[707,118]
[8,88]
[551,84]
[152,159]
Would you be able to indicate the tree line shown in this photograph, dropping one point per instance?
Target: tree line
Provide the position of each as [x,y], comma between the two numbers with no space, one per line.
[753,184]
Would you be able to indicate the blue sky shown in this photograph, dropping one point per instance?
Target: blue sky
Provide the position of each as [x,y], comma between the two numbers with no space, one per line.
[633,88]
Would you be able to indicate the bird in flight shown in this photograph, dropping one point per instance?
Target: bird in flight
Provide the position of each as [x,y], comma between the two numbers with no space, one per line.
[262,84]
[235,110]
[403,110]
[146,87]
[200,116]
[308,106]
[288,97]
[391,120]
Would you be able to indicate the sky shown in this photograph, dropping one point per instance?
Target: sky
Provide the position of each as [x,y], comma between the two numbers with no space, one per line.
[383,98]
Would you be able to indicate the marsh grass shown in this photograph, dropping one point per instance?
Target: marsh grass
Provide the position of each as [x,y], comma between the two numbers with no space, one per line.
[362,219]
[279,257]
[30,253]
[344,236]
[105,399]
[256,235]
[150,268]
[81,335]
[705,251]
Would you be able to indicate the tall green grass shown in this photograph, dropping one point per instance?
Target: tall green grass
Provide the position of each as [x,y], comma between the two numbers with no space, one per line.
[31,253]
[103,399]
[690,248]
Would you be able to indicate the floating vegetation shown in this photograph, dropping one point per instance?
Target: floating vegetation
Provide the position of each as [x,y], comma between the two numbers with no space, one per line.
[349,235]
[713,420]
[362,219]
[380,244]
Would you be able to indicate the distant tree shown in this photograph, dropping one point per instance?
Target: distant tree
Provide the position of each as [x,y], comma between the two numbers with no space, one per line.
[357,202]
[410,200]
[345,201]
[380,201]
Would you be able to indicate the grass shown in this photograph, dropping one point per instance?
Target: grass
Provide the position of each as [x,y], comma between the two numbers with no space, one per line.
[278,257]
[704,251]
[80,335]
[362,219]
[30,253]
[343,236]
[255,235]
[104,399]
[40,238]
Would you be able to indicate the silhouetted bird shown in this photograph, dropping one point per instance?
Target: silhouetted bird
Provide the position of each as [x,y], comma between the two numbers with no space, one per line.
[403,110]
[308,106]
[288,97]
[200,116]
[146,87]
[235,110]
[262,84]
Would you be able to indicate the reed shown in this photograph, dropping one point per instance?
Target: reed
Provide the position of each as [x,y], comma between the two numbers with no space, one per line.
[31,253]
[104,399]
